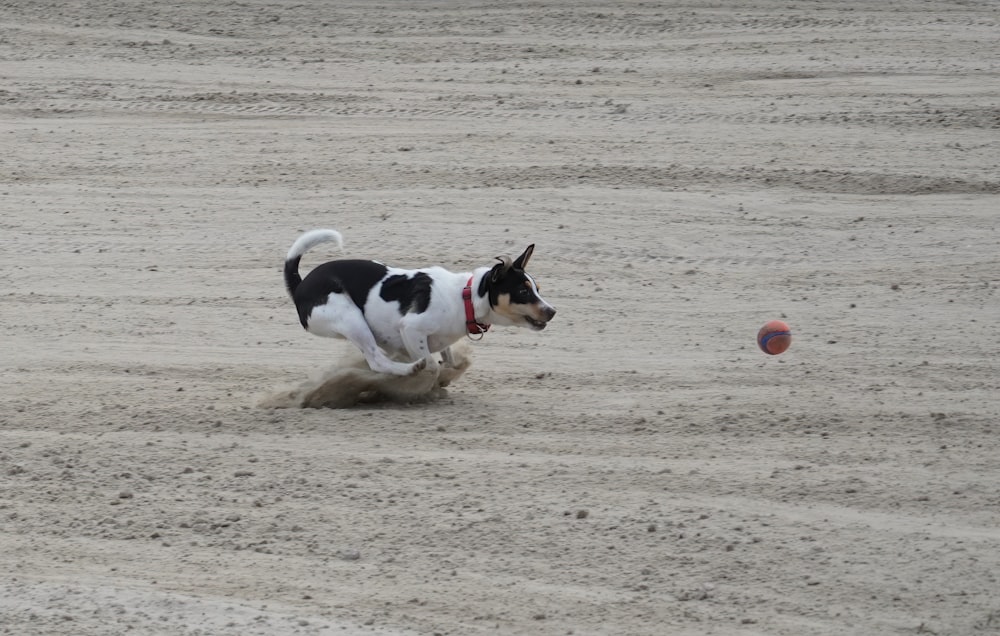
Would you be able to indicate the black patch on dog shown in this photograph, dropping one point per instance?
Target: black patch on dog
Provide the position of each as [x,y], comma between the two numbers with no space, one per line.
[355,277]
[411,293]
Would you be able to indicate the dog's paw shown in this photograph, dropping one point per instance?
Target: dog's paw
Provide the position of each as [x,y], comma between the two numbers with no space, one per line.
[418,366]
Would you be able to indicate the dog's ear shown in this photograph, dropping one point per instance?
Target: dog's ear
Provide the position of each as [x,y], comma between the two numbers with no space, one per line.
[500,268]
[522,261]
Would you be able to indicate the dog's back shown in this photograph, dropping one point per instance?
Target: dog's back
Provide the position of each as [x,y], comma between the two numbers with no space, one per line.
[354,277]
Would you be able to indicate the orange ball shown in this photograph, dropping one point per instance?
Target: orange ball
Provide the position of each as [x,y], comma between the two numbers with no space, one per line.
[774,337]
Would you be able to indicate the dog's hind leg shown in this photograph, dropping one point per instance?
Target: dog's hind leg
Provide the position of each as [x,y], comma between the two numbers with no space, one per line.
[452,365]
[346,321]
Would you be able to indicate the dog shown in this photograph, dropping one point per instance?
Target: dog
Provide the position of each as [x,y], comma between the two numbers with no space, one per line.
[401,318]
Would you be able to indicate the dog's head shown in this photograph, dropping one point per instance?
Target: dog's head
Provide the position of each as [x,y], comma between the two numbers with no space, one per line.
[514,296]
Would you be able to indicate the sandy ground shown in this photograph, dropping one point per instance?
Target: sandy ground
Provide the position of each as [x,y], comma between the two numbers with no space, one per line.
[687,171]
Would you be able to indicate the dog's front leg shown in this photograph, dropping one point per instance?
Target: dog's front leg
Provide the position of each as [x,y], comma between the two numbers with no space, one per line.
[447,358]
[415,341]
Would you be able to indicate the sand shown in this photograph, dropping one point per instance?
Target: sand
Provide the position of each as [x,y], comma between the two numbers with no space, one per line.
[687,172]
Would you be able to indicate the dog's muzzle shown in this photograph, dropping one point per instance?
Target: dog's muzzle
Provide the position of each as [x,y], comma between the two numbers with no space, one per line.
[547,314]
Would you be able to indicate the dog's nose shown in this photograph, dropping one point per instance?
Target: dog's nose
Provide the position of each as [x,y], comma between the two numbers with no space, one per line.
[550,313]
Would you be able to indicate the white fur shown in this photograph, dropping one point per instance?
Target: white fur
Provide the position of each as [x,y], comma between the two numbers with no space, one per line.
[311,239]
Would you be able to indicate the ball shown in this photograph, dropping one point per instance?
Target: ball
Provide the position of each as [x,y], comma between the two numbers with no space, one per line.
[774,337]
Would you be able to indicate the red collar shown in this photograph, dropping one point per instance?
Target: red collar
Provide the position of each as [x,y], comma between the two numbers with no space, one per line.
[471,325]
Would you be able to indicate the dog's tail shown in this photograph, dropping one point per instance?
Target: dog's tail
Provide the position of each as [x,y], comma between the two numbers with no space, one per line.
[305,243]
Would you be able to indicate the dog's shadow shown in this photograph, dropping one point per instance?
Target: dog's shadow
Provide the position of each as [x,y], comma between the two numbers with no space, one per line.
[351,382]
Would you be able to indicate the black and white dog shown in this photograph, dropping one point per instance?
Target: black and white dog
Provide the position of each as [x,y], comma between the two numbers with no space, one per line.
[394,314]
